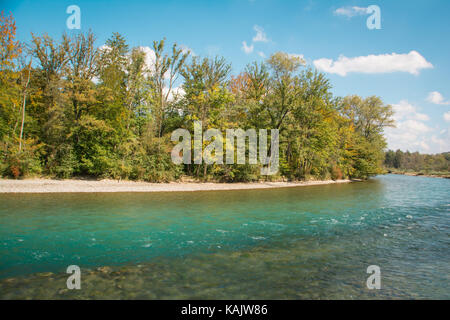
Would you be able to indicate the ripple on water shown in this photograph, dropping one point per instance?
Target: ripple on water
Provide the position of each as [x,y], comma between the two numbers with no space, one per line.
[313,243]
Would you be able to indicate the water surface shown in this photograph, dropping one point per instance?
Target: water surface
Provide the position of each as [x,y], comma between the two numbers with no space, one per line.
[301,242]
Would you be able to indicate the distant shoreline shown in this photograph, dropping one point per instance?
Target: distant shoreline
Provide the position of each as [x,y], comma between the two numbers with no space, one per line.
[419,174]
[92,186]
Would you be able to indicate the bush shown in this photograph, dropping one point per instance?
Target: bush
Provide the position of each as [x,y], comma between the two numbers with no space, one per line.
[336,173]
[22,165]
[64,164]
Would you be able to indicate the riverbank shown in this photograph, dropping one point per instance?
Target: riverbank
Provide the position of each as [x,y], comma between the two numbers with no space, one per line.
[421,174]
[75,185]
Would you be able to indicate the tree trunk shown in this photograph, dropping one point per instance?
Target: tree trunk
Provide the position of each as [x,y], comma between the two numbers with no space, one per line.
[23,107]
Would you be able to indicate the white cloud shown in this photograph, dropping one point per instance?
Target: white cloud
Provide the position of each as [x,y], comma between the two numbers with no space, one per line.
[442,144]
[259,37]
[414,125]
[408,135]
[422,117]
[350,11]
[247,49]
[411,133]
[447,116]
[175,93]
[95,80]
[406,111]
[437,98]
[150,57]
[260,34]
[412,62]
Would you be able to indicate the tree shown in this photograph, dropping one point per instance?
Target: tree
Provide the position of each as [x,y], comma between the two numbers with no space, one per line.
[164,76]
[10,51]
[10,48]
[370,116]
[68,108]
[80,70]
[135,84]
[284,87]
[25,80]
[51,114]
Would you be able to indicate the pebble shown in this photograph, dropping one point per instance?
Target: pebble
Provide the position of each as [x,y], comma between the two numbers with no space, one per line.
[104,269]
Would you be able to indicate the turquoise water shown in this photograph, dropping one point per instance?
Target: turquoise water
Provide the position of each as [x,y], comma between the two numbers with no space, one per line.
[302,242]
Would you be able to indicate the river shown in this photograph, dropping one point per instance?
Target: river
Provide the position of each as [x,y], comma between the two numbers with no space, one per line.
[312,242]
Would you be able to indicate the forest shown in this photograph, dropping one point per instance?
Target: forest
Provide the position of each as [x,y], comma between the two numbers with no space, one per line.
[70,108]
[415,162]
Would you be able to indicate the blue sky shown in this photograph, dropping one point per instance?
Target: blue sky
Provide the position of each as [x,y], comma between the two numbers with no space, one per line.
[406,62]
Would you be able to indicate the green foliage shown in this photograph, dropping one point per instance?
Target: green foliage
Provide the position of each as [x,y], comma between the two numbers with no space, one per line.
[417,162]
[24,163]
[65,163]
[104,112]
[94,142]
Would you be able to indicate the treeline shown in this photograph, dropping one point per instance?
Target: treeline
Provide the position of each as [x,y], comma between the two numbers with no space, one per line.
[416,162]
[70,109]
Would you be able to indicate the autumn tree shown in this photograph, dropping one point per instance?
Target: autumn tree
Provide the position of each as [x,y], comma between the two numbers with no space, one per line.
[68,108]
[206,93]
